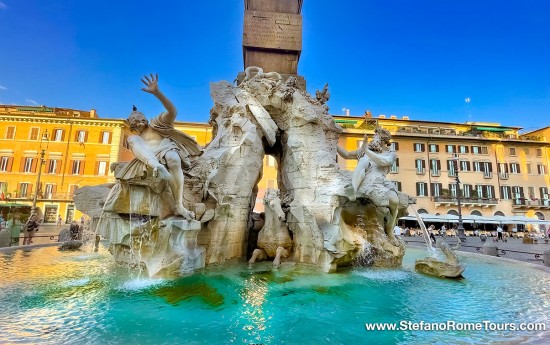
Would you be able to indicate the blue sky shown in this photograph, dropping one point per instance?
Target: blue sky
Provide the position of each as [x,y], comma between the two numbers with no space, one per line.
[417,58]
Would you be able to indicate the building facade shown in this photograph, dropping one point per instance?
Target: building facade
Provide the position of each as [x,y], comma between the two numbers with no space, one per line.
[500,171]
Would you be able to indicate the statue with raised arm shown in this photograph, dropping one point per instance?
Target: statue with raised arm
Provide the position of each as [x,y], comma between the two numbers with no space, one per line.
[369,177]
[161,147]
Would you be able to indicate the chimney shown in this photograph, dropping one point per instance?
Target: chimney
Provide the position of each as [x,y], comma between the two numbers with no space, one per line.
[93,114]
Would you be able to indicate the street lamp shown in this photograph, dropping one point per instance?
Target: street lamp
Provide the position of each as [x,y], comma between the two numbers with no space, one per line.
[460,229]
[41,163]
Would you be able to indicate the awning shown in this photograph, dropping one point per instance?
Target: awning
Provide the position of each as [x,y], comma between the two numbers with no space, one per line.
[494,129]
[14,204]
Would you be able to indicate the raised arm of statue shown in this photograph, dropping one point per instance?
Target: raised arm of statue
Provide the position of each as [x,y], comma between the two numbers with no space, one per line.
[152,87]
[347,154]
[384,159]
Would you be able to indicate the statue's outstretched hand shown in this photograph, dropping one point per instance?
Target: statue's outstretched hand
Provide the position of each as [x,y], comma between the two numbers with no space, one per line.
[151,83]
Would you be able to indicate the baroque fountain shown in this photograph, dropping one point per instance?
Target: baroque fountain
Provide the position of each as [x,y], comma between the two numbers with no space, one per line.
[178,220]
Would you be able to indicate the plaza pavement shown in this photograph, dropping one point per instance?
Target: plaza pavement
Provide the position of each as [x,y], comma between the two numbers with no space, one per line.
[514,248]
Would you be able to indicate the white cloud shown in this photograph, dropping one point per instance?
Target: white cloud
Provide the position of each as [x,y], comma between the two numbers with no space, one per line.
[3,6]
[28,100]
[3,87]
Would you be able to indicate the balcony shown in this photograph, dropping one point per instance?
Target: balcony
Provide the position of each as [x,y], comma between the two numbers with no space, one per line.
[435,172]
[524,203]
[487,174]
[420,171]
[467,202]
[41,197]
[503,175]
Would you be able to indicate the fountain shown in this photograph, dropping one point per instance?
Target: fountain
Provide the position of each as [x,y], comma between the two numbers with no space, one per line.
[172,267]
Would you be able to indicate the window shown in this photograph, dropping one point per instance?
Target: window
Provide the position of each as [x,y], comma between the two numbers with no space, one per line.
[517,194]
[77,167]
[435,167]
[450,148]
[487,168]
[526,151]
[529,168]
[512,151]
[478,150]
[5,164]
[433,148]
[465,166]
[102,168]
[544,194]
[49,191]
[505,193]
[467,190]
[28,164]
[541,169]
[485,191]
[419,147]
[451,167]
[436,189]
[514,168]
[72,189]
[421,189]
[463,149]
[453,189]
[33,133]
[394,146]
[81,136]
[10,132]
[477,166]
[24,190]
[57,135]
[52,166]
[105,137]
[539,152]
[394,169]
[420,166]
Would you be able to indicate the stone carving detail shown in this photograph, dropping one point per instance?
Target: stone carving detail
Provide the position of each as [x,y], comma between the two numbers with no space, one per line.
[274,241]
[331,216]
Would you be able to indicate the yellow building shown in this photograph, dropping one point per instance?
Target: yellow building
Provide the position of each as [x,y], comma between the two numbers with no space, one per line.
[501,172]
[75,147]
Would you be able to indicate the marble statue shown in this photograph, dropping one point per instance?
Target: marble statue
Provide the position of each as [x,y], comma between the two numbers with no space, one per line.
[274,241]
[323,95]
[369,177]
[328,217]
[450,268]
[161,147]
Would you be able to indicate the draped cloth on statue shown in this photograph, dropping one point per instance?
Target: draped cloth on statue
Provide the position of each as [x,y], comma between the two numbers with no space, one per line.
[174,140]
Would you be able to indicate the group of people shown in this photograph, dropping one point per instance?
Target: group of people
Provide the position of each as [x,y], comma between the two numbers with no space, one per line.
[15,227]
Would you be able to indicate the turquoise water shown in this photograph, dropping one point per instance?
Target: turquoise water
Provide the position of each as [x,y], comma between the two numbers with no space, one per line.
[52,297]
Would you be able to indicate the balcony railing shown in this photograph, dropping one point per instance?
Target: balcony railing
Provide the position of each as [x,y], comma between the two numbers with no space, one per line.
[420,171]
[452,173]
[530,203]
[50,196]
[503,175]
[436,172]
[465,201]
[487,174]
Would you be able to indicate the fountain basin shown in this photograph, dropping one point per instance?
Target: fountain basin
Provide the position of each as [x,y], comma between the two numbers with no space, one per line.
[82,297]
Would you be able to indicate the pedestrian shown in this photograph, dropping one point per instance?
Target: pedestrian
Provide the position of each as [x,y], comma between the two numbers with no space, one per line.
[59,219]
[31,227]
[515,232]
[14,226]
[432,236]
[443,230]
[499,233]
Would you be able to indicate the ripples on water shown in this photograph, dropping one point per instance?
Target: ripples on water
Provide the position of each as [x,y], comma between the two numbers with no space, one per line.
[80,297]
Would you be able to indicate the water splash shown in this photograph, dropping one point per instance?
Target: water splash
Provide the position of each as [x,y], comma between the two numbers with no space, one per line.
[426,235]
[365,258]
